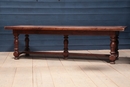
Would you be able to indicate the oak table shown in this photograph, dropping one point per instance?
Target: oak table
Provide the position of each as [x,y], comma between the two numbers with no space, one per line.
[112,31]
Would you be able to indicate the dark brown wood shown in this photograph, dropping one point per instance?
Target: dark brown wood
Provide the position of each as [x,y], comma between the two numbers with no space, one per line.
[66,28]
[27,44]
[70,32]
[16,46]
[113,49]
[66,53]
[117,43]
[112,31]
[70,54]
[50,53]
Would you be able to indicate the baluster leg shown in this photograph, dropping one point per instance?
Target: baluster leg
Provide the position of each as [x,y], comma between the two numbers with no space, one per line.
[66,53]
[117,43]
[27,44]
[113,49]
[16,46]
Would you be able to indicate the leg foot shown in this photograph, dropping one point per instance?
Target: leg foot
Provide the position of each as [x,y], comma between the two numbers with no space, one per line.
[65,56]
[112,59]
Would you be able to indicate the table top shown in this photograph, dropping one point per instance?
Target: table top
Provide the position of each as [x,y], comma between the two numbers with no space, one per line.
[71,28]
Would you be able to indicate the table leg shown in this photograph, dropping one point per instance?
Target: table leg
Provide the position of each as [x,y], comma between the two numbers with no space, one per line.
[16,46]
[117,43]
[113,49]
[27,44]
[66,53]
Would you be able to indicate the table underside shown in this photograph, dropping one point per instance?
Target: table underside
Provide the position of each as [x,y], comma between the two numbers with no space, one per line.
[113,42]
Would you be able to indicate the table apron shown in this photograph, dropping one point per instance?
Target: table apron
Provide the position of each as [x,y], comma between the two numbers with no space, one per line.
[56,32]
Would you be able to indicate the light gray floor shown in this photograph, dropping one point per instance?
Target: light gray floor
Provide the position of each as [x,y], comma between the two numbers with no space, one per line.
[43,71]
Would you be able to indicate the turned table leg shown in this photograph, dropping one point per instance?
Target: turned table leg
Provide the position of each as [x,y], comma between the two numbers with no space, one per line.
[27,44]
[66,53]
[16,46]
[117,43]
[113,49]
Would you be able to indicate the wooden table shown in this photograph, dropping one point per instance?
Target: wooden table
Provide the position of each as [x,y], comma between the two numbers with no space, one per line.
[112,31]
